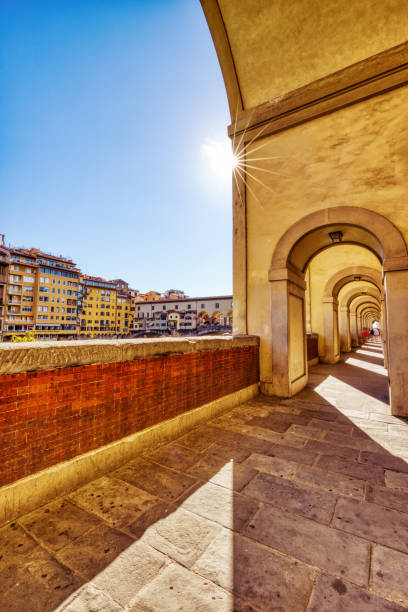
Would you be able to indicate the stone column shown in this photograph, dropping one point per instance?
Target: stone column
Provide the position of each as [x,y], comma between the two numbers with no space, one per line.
[289,357]
[383,323]
[344,329]
[396,294]
[353,329]
[359,330]
[331,330]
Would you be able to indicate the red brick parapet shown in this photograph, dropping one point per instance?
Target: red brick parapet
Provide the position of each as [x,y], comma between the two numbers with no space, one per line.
[54,414]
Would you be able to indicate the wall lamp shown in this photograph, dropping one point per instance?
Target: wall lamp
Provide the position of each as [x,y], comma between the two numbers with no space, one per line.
[336,236]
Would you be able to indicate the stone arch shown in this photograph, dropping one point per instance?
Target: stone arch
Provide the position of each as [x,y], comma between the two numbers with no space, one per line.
[310,234]
[338,280]
[296,247]
[347,326]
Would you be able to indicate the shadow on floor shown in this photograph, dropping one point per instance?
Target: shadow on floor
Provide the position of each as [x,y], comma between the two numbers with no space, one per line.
[275,505]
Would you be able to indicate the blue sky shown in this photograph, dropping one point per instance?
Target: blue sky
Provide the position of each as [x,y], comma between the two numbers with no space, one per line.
[113,118]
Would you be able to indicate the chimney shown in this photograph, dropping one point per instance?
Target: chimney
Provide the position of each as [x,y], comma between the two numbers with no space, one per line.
[2,236]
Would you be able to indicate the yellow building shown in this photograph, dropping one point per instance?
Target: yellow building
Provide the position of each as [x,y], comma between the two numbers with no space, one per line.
[98,307]
[41,295]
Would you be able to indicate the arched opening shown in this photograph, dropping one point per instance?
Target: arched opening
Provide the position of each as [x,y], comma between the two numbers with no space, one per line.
[216,317]
[203,318]
[317,234]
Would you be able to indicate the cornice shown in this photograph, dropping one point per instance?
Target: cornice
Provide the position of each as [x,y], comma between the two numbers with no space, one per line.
[372,76]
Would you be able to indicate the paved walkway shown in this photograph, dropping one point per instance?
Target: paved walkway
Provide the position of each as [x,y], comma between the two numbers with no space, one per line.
[290,505]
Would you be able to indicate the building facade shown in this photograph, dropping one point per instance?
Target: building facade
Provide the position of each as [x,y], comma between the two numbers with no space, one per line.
[40,294]
[186,314]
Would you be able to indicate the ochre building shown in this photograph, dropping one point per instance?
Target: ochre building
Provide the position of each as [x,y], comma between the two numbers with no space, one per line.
[318,100]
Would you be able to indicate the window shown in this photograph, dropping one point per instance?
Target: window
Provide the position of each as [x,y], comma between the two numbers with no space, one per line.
[44,279]
[202,305]
[42,308]
[176,307]
[164,308]
[15,268]
[28,289]
[152,307]
[189,306]
[217,305]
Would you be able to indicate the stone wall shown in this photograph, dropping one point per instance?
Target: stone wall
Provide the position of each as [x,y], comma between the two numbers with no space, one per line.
[52,414]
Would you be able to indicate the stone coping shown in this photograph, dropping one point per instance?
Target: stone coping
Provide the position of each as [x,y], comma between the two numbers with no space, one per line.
[16,358]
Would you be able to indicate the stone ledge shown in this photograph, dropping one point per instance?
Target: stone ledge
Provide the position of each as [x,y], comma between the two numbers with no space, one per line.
[31,356]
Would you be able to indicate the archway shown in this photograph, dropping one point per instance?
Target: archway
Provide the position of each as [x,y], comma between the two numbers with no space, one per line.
[216,317]
[346,296]
[312,234]
[336,314]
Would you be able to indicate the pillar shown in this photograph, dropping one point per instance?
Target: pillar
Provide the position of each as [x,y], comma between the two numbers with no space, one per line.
[359,330]
[289,351]
[353,329]
[396,292]
[331,330]
[383,323]
[344,329]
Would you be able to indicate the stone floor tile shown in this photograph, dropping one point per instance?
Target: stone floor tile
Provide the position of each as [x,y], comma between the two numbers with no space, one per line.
[132,569]
[115,501]
[279,422]
[389,571]
[344,428]
[155,479]
[181,535]
[198,439]
[390,498]
[396,480]
[155,513]
[233,476]
[307,431]
[209,465]
[272,465]
[260,576]
[15,543]
[292,497]
[221,505]
[384,460]
[370,473]
[229,451]
[373,522]
[330,481]
[312,543]
[34,580]
[300,455]
[58,523]
[176,589]
[90,599]
[91,553]
[237,441]
[270,436]
[174,456]
[328,448]
[332,594]
[358,443]
[399,430]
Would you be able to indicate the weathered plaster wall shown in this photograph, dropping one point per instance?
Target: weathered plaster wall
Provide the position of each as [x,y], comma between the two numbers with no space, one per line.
[357,156]
[279,46]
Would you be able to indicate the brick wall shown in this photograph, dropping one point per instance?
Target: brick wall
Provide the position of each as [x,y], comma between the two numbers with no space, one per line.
[53,415]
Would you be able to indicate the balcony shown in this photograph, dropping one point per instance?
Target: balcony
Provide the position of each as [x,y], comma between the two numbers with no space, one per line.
[178,487]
